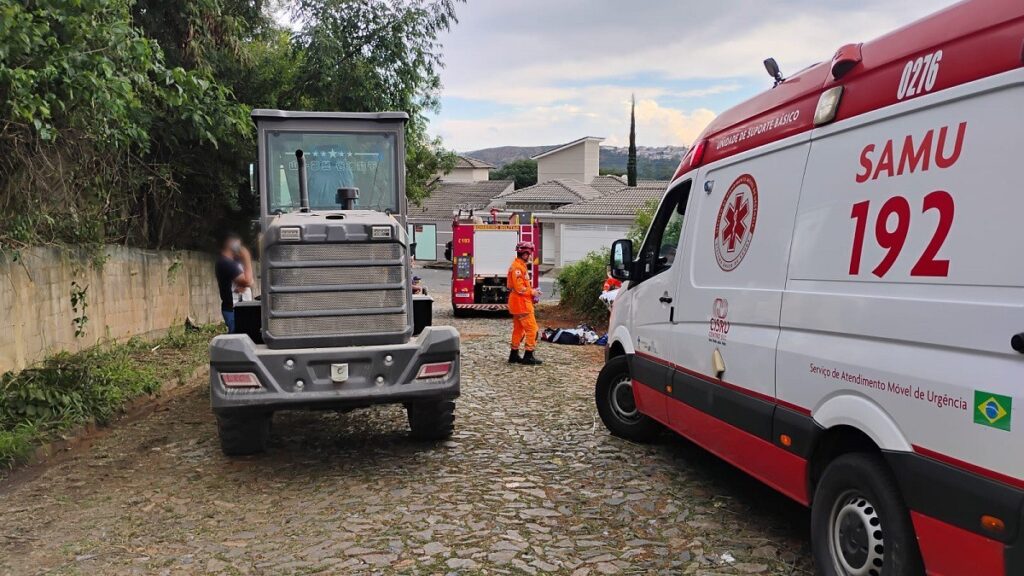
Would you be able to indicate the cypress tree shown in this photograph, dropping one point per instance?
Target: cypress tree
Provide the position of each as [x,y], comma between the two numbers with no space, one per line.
[631,162]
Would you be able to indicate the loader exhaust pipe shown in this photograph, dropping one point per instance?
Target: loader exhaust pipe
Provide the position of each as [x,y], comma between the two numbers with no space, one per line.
[303,191]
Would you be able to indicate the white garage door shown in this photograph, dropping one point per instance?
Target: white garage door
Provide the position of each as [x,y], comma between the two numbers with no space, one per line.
[580,239]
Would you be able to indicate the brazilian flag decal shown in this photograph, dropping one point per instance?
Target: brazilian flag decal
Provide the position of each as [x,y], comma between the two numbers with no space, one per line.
[992,410]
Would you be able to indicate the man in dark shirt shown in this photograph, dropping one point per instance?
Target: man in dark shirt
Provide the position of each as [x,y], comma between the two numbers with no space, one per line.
[234,275]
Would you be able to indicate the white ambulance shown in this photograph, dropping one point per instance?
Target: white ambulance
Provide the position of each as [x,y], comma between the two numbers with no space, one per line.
[831,298]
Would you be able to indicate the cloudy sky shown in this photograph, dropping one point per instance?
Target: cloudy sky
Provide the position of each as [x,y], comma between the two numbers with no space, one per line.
[534,72]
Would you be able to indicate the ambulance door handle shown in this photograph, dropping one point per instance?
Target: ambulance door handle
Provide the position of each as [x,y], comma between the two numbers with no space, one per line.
[665,299]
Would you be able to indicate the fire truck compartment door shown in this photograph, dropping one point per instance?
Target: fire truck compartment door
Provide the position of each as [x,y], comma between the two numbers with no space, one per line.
[493,251]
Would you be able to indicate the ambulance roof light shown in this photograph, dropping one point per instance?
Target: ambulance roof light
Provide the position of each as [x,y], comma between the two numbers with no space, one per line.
[773,70]
[697,155]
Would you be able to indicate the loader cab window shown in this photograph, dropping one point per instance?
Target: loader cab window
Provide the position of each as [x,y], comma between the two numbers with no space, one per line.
[364,160]
[659,250]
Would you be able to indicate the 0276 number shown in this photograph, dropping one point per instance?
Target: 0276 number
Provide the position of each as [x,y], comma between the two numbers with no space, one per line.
[919,75]
[892,241]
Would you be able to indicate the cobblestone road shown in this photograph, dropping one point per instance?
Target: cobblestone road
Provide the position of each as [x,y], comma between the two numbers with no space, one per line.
[531,483]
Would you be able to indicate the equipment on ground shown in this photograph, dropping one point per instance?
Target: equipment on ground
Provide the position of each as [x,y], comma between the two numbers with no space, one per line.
[481,254]
[337,325]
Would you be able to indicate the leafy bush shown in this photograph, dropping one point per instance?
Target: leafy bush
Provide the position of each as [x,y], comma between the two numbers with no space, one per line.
[580,284]
[66,389]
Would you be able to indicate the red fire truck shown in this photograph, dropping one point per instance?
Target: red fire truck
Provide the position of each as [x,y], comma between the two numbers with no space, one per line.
[481,252]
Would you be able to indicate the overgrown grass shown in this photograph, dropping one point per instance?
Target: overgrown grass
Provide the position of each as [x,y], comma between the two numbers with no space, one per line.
[66,390]
[580,284]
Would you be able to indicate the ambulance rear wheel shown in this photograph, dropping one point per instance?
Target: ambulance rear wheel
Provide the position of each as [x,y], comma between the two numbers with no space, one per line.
[859,523]
[617,406]
[459,312]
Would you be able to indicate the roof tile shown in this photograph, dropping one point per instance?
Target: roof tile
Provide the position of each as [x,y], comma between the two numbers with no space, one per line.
[553,192]
[469,162]
[623,202]
[451,196]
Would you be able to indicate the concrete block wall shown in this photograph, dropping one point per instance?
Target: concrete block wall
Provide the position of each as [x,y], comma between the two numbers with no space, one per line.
[134,292]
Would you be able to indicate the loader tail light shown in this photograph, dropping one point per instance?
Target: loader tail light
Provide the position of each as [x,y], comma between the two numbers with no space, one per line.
[239,380]
[435,370]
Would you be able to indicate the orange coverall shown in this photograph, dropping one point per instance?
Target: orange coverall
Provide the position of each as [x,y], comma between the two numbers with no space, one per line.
[520,306]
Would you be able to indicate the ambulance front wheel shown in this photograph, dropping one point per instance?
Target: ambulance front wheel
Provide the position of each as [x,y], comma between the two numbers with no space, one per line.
[617,405]
[859,524]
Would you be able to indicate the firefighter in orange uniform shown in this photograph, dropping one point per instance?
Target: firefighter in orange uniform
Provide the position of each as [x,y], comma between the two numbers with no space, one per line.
[521,297]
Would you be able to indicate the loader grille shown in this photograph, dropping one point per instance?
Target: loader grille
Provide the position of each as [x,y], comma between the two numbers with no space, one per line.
[322,294]
[286,253]
[341,301]
[321,276]
[297,327]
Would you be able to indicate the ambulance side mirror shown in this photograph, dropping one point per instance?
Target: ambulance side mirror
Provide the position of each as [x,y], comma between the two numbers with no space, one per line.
[621,259]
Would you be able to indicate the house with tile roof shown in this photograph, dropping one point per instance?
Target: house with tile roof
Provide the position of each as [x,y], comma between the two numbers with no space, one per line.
[573,230]
[546,196]
[430,223]
[578,160]
[608,183]
[467,170]
[579,209]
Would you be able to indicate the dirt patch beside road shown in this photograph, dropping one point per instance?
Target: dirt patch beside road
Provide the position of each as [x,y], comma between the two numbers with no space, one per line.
[531,483]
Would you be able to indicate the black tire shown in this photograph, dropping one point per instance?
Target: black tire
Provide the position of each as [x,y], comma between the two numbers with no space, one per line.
[614,396]
[859,523]
[459,312]
[243,435]
[432,420]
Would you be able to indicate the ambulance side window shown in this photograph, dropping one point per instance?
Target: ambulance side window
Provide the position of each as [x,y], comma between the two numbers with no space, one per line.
[662,242]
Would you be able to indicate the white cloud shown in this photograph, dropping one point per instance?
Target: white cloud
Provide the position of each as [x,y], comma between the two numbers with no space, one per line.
[550,63]
[709,91]
[668,125]
[600,111]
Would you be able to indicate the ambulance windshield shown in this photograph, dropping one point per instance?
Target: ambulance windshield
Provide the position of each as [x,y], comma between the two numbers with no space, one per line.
[334,160]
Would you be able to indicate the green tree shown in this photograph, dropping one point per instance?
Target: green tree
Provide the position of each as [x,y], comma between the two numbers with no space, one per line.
[374,55]
[642,222]
[86,102]
[580,285]
[644,219]
[524,172]
[127,120]
[631,161]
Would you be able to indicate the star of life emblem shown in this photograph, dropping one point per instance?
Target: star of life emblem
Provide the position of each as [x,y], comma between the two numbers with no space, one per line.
[737,218]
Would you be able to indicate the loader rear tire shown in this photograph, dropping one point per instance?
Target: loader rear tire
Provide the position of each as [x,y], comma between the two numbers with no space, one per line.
[242,435]
[432,420]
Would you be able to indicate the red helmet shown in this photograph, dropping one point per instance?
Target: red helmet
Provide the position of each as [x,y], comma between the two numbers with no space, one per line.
[525,247]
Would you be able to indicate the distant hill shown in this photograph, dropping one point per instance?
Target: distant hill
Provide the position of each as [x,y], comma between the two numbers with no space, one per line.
[653,162]
[502,155]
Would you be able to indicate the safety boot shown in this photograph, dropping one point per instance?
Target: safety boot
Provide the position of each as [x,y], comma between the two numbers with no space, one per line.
[529,359]
[513,357]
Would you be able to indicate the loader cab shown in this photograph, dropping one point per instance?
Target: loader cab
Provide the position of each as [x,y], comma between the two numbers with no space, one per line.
[341,151]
